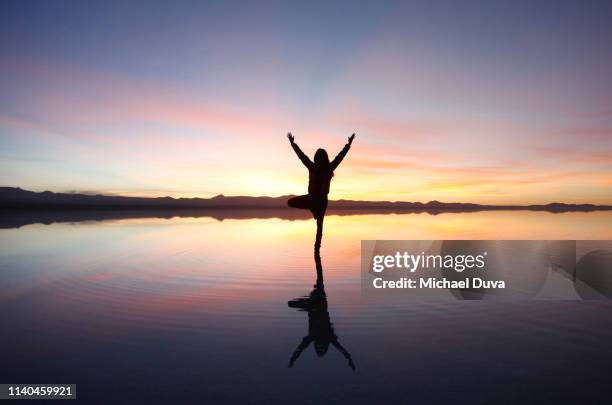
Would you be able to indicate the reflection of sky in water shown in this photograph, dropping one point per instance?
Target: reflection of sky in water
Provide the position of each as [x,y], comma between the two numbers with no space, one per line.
[202,305]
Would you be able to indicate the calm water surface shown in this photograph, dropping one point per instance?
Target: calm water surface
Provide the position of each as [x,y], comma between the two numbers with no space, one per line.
[195,310]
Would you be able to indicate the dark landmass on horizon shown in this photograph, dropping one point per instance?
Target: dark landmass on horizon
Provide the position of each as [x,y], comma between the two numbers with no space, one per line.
[13,197]
[21,207]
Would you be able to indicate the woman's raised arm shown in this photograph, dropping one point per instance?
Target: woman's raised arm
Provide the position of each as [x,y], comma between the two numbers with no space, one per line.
[342,153]
[307,162]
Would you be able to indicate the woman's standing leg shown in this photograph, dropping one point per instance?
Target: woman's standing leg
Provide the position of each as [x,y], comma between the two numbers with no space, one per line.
[317,245]
[319,214]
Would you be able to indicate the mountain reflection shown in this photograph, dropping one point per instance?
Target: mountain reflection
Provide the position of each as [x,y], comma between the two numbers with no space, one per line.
[16,218]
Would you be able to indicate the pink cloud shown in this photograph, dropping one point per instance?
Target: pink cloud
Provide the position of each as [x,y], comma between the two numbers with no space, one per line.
[574,155]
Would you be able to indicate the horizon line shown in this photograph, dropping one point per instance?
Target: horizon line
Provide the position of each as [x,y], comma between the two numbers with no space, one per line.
[221,195]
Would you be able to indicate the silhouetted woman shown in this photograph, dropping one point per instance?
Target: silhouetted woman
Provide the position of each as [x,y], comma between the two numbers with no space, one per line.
[320,173]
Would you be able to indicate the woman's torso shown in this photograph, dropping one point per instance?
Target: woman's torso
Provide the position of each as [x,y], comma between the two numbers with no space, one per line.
[319,181]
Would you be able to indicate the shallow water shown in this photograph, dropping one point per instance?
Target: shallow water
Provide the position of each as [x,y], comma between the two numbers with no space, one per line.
[196,310]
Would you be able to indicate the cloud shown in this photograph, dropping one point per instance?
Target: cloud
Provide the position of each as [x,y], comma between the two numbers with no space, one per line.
[572,156]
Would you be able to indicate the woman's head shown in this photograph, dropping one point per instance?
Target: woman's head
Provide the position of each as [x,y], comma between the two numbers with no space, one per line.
[321,347]
[321,158]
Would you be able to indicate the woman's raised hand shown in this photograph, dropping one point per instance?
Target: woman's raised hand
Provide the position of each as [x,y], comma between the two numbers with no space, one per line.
[290,137]
[350,140]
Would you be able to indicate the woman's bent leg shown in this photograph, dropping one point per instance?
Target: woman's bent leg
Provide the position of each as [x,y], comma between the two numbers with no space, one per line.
[301,202]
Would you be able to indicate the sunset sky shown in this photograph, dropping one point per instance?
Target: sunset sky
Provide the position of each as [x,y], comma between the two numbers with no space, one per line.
[491,102]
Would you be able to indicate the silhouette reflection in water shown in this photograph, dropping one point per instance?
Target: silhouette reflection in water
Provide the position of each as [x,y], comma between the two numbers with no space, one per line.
[320,328]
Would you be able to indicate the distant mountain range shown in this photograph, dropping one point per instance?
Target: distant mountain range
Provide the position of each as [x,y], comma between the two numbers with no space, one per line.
[13,197]
[20,207]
